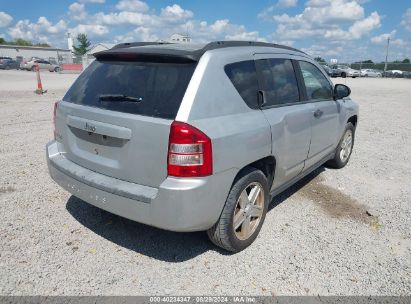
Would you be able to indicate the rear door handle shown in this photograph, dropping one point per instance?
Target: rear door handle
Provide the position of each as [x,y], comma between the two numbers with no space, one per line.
[318,113]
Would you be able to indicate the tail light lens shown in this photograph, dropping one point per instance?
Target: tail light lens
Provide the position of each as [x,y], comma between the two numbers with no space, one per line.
[189,152]
[54,118]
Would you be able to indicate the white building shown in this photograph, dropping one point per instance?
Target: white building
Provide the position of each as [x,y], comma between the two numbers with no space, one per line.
[21,53]
[89,57]
[100,47]
[178,38]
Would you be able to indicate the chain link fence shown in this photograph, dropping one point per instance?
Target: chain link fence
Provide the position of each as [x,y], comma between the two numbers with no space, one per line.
[394,69]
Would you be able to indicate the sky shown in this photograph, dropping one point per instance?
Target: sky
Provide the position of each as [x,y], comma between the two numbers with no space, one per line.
[347,30]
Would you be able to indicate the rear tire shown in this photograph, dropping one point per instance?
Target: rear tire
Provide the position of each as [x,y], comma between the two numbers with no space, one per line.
[343,75]
[243,213]
[344,148]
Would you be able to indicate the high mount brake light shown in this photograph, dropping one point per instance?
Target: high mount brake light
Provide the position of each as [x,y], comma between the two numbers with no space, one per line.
[189,151]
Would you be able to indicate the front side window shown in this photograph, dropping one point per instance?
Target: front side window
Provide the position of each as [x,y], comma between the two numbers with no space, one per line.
[243,76]
[278,81]
[316,84]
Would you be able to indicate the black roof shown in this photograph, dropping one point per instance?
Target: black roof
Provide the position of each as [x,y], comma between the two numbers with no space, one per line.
[170,52]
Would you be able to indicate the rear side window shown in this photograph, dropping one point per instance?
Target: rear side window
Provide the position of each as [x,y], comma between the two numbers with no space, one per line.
[243,75]
[155,89]
[278,81]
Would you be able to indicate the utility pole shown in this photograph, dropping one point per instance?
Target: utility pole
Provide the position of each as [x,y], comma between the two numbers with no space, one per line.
[386,55]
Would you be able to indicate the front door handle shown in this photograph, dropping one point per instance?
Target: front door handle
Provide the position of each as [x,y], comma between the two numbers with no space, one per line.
[318,113]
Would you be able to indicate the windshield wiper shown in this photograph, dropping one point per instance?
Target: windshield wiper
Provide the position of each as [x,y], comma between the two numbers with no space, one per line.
[119,97]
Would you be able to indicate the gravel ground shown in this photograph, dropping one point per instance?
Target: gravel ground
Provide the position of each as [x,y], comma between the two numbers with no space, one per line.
[338,232]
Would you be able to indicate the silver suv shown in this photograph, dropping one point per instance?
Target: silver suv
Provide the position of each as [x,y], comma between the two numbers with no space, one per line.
[198,137]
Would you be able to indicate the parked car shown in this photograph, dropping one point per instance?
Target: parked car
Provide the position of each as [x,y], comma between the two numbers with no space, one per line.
[406,74]
[393,74]
[2,58]
[9,64]
[194,138]
[43,65]
[370,73]
[332,72]
[346,71]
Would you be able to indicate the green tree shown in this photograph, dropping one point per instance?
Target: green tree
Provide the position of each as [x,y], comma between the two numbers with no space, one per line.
[23,42]
[406,60]
[2,41]
[319,59]
[83,45]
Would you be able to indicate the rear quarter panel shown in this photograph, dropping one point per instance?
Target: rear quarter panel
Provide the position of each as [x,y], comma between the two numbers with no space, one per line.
[240,135]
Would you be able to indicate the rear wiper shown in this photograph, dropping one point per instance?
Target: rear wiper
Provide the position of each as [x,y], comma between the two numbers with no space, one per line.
[119,97]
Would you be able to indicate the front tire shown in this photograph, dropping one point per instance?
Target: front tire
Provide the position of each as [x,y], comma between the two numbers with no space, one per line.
[343,75]
[344,148]
[243,213]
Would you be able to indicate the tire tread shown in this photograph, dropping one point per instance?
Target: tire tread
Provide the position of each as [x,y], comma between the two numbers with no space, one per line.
[219,233]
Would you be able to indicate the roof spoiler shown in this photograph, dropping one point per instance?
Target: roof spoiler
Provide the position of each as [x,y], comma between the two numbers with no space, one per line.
[132,44]
[151,55]
[141,51]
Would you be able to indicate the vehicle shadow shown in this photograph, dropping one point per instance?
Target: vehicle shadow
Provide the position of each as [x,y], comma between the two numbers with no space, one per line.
[277,200]
[153,242]
[149,241]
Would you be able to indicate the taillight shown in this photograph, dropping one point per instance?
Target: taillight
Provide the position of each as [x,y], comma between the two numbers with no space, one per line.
[54,118]
[189,151]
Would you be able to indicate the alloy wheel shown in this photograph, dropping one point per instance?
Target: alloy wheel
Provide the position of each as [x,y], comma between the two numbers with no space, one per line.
[248,211]
[346,146]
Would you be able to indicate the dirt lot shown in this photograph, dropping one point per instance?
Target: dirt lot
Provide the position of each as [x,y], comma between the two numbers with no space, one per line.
[339,232]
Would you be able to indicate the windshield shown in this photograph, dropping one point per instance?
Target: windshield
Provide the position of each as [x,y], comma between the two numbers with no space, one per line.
[158,87]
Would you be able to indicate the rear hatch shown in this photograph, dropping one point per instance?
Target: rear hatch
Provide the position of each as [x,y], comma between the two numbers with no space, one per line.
[115,119]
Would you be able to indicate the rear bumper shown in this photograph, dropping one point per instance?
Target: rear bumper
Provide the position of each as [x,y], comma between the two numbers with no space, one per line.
[177,205]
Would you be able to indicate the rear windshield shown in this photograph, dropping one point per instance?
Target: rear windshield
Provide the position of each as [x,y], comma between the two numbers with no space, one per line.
[155,89]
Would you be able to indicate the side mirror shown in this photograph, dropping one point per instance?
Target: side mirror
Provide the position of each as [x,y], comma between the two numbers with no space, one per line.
[341,91]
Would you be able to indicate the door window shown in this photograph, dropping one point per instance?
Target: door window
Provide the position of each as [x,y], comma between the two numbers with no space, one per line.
[278,81]
[316,84]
